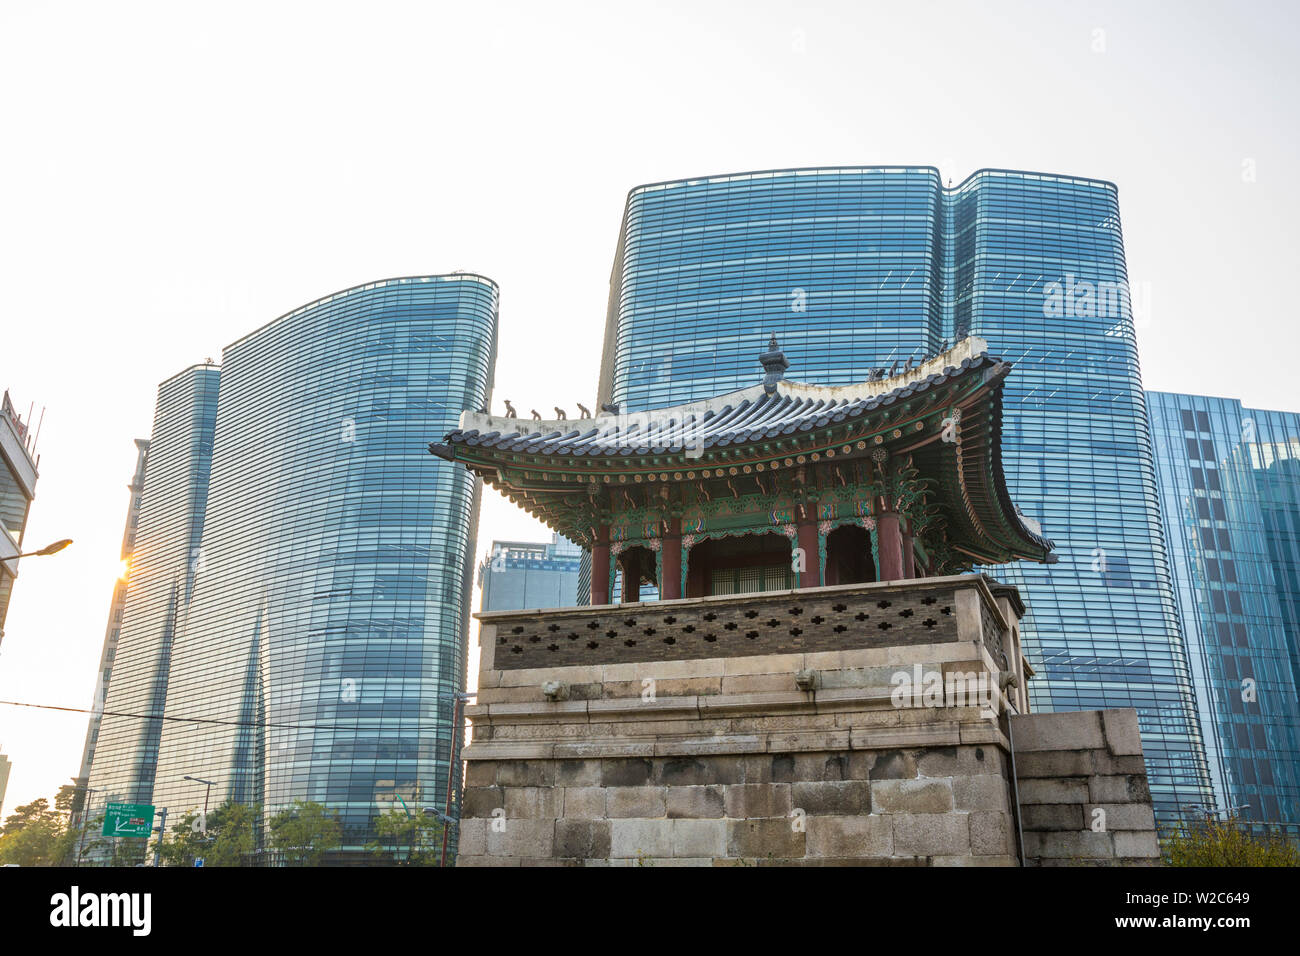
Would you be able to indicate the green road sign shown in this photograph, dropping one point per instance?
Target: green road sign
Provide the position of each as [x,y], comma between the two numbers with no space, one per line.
[128,819]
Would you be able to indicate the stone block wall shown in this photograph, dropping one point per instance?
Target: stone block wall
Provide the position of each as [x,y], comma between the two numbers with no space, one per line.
[904,807]
[1083,789]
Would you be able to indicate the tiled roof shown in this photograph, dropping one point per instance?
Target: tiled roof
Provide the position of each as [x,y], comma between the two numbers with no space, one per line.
[543,465]
[736,418]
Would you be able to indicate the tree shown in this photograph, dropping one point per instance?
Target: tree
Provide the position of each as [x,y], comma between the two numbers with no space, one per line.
[1215,842]
[185,843]
[34,835]
[304,832]
[236,838]
[408,839]
[64,798]
[228,839]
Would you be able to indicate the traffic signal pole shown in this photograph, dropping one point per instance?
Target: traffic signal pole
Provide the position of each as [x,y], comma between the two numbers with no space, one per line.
[162,832]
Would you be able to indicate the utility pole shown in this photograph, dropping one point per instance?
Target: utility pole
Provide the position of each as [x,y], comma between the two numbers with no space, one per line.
[85,818]
[162,832]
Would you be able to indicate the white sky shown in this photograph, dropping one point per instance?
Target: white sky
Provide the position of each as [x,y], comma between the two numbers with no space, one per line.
[173,176]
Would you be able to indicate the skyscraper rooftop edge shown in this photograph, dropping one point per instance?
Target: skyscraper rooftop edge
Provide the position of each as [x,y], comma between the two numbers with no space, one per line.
[1221,398]
[366,287]
[189,368]
[880,167]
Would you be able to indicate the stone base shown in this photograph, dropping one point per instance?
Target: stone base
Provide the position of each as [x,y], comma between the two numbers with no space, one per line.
[898,807]
[1083,790]
[888,750]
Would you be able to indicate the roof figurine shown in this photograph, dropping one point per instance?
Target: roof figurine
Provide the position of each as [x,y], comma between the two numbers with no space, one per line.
[774,365]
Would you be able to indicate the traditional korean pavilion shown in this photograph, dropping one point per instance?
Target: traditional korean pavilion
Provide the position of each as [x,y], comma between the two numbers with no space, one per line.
[775,486]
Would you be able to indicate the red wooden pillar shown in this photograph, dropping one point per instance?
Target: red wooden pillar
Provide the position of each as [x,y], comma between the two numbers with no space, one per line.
[600,566]
[670,588]
[891,546]
[909,555]
[811,576]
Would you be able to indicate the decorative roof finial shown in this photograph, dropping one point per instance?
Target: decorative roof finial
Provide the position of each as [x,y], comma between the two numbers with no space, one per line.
[774,365]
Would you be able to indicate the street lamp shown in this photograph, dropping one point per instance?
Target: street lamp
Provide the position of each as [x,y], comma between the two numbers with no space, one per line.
[48,549]
[207,793]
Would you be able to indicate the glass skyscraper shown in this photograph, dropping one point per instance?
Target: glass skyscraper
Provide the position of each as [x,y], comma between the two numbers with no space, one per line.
[863,267]
[1230,495]
[163,563]
[113,630]
[1275,458]
[323,639]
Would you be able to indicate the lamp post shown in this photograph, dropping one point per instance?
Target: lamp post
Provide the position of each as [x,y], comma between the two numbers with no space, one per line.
[451,765]
[446,821]
[207,793]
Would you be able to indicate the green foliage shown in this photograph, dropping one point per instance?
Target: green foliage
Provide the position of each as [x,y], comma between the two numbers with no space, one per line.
[35,835]
[230,838]
[304,832]
[1215,842]
[64,798]
[407,839]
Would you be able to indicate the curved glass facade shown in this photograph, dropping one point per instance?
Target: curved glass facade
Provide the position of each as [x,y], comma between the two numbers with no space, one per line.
[844,264]
[1228,489]
[855,268]
[324,640]
[163,561]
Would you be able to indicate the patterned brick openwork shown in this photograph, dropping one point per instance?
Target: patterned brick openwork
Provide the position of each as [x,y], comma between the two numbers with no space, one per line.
[785,622]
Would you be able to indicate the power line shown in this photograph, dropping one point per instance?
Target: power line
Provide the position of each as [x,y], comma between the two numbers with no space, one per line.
[191,720]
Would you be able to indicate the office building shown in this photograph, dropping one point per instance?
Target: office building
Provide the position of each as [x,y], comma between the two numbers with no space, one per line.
[113,630]
[1229,481]
[323,616]
[18,464]
[867,268]
[5,766]
[165,557]
[530,574]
